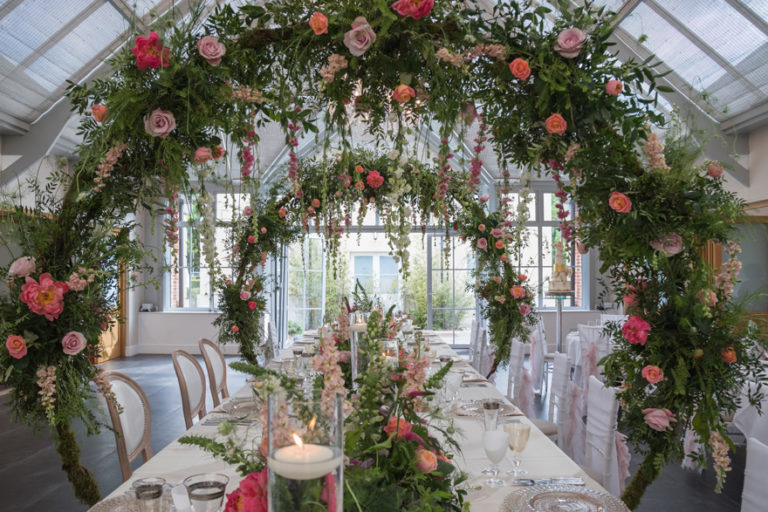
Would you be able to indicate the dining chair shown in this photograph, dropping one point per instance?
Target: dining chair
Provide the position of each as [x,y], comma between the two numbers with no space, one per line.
[192,385]
[515,370]
[754,496]
[486,352]
[600,447]
[131,420]
[474,347]
[272,340]
[558,401]
[216,366]
[536,359]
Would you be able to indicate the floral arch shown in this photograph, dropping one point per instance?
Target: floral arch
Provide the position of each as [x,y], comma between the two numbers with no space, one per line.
[550,98]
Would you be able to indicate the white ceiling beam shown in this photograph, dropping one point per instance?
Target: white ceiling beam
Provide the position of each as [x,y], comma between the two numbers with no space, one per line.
[9,7]
[746,121]
[129,14]
[748,13]
[627,7]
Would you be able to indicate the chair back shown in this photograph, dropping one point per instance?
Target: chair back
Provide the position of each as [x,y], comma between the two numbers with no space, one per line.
[474,345]
[131,421]
[487,352]
[600,447]
[515,370]
[192,385]
[216,366]
[755,494]
[537,356]
[558,394]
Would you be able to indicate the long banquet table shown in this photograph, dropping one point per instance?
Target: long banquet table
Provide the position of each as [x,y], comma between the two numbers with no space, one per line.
[542,458]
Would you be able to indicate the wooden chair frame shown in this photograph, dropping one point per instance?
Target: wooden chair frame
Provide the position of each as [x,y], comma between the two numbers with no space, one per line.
[145,446]
[215,388]
[189,409]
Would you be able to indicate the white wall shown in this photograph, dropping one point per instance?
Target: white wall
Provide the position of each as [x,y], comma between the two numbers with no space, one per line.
[757,163]
[162,333]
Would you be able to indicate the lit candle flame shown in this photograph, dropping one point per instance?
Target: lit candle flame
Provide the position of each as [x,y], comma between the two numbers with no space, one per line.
[297,440]
[312,423]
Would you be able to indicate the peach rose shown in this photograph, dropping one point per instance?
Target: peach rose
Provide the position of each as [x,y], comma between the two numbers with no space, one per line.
[499,244]
[397,426]
[620,202]
[729,355]
[614,87]
[202,155]
[520,68]
[22,267]
[556,124]
[403,93]
[16,345]
[73,343]
[570,42]
[281,213]
[652,374]
[99,112]
[211,49]
[319,23]
[160,123]
[426,460]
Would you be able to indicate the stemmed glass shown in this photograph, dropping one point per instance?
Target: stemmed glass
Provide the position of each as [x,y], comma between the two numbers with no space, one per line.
[490,423]
[518,439]
[495,444]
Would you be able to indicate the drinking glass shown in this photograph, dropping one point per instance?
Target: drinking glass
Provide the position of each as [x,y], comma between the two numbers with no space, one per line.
[490,422]
[206,491]
[453,384]
[518,439]
[495,444]
[149,493]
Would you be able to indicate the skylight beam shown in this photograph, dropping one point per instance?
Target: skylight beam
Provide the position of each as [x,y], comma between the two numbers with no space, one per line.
[751,15]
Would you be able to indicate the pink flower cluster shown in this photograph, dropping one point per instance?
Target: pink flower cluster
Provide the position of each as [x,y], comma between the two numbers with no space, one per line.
[566,226]
[721,460]
[654,150]
[171,222]
[249,94]
[670,244]
[729,271]
[336,63]
[107,164]
[494,51]
[416,9]
[46,381]
[104,387]
[327,363]
[79,280]
[22,267]
[250,496]
[415,373]
[44,298]
[476,164]
[293,159]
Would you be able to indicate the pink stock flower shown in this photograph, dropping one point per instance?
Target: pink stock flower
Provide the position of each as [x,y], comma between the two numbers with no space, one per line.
[555,124]
[22,267]
[707,297]
[652,374]
[620,202]
[202,155]
[482,244]
[614,87]
[635,330]
[670,244]
[426,460]
[44,298]
[16,345]
[160,123]
[73,343]
[659,419]
[517,291]
[149,52]
[360,37]
[211,49]
[524,309]
[570,42]
[319,23]
[496,279]
[374,179]
[397,426]
[245,295]
[416,9]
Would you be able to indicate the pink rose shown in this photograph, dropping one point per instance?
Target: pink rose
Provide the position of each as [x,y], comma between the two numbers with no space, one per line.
[484,199]
[517,291]
[397,426]
[659,419]
[247,211]
[319,23]
[426,460]
[652,374]
[16,345]
[251,239]
[614,87]
[22,267]
[211,49]
[714,169]
[670,244]
[73,343]
[635,330]
[620,202]
[245,295]
[570,42]
[44,298]
[524,309]
[360,38]
[555,124]
[482,244]
[202,155]
[160,123]
[496,232]
[416,9]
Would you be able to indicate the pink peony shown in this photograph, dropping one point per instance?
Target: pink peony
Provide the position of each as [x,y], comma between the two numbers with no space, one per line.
[73,343]
[374,179]
[360,38]
[99,112]
[670,244]
[555,124]
[247,211]
[160,123]
[211,49]
[620,202]
[397,426]
[520,68]
[251,496]
[16,345]
[416,9]
[652,374]
[524,309]
[517,291]
[149,52]
[245,295]
[614,87]
[44,298]
[482,244]
[403,93]
[426,460]
[635,330]
[319,23]
[659,419]
[715,169]
[202,155]
[22,267]
[570,42]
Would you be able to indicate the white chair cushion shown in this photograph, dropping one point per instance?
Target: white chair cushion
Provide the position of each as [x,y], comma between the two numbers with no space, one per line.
[192,379]
[218,363]
[133,416]
[754,497]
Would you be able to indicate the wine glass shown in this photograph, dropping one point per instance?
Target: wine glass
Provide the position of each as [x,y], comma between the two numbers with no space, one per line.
[453,384]
[518,439]
[495,444]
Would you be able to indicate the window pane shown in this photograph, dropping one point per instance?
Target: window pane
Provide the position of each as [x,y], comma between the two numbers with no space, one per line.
[229,205]
[387,265]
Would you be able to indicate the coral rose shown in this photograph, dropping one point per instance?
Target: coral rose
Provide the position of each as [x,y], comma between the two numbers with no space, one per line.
[150,53]
[218,152]
[281,213]
[211,49]
[203,155]
[397,426]
[714,169]
[16,345]
[319,23]
[620,202]
[499,244]
[652,374]
[635,330]
[160,123]
[570,42]
[426,460]
[403,93]
[44,298]
[729,355]
[556,124]
[614,87]
[374,179]
[517,291]
[99,112]
[360,38]
[73,343]
[520,68]
[235,329]
[659,419]
[670,244]
[22,267]
[416,9]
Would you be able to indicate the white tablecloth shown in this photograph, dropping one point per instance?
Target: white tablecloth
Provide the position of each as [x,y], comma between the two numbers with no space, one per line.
[542,458]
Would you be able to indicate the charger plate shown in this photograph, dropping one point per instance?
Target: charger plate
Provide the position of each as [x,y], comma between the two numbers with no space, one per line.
[561,498]
[126,503]
[475,409]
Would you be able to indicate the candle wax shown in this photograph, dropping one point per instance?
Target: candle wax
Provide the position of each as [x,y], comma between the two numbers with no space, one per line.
[305,462]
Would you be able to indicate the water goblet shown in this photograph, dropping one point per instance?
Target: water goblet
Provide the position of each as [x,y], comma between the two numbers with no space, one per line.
[495,444]
[490,422]
[206,491]
[518,439]
[453,384]
[149,493]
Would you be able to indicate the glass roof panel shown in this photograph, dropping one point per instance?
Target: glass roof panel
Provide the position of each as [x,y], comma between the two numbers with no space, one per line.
[718,24]
[676,50]
[142,7]
[759,7]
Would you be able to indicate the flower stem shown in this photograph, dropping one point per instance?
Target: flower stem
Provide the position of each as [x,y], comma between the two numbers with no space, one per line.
[645,475]
[85,487]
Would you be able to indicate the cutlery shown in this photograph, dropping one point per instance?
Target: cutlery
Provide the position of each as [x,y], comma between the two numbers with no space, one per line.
[548,481]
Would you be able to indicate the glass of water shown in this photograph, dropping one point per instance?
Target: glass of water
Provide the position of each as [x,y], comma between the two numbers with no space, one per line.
[206,491]
[149,493]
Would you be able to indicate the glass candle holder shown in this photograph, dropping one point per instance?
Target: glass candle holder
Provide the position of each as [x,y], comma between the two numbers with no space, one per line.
[305,441]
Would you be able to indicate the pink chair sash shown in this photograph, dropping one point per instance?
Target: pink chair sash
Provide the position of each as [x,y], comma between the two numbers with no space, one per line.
[575,435]
[622,457]
[526,394]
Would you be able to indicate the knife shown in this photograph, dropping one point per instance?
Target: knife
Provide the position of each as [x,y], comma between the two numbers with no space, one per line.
[548,481]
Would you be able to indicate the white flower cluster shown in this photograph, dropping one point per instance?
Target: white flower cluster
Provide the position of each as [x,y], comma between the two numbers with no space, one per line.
[397,222]
[207,229]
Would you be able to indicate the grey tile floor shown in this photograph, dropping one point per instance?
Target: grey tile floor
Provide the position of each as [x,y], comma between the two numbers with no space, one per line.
[31,478]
